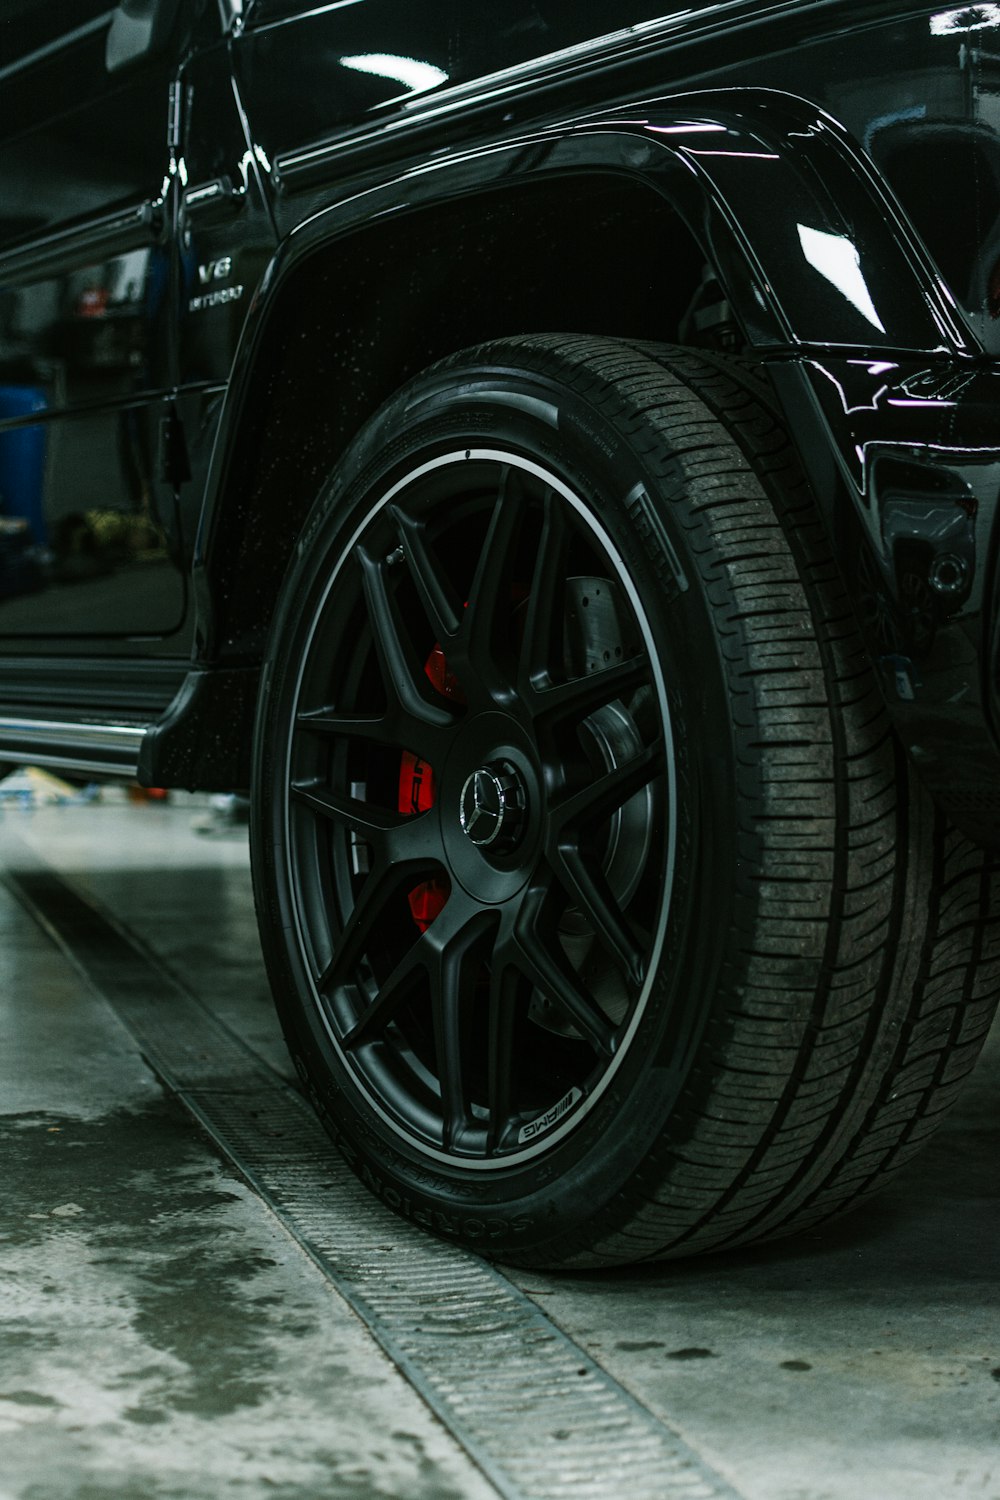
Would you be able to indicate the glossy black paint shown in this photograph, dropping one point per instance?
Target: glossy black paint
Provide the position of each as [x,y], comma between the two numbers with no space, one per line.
[353,189]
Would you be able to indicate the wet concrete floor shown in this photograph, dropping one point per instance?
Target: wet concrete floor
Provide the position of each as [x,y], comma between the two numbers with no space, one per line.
[163,1338]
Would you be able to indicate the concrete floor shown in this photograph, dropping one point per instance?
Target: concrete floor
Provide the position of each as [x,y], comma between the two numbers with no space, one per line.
[162,1337]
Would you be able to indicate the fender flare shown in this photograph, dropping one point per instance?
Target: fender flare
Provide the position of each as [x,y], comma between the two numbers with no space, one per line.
[811,250]
[747,169]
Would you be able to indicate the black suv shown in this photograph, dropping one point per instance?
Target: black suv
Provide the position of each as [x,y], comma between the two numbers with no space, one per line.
[553,464]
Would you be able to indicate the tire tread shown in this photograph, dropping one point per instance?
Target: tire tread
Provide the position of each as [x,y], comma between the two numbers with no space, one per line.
[817,1092]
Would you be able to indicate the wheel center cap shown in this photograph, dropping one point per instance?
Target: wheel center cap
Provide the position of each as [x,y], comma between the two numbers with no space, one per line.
[493,806]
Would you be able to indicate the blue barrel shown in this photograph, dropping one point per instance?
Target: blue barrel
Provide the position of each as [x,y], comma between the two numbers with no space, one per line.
[22,459]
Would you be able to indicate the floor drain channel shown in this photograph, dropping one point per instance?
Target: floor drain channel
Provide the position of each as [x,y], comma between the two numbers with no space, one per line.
[533,1410]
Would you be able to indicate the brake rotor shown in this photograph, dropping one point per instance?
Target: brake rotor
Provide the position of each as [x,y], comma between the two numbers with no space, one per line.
[596,636]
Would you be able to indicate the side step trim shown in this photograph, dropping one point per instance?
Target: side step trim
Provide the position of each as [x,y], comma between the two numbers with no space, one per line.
[109,749]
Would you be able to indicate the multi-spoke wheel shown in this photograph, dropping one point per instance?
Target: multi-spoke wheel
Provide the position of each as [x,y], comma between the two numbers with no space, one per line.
[558,813]
[479,820]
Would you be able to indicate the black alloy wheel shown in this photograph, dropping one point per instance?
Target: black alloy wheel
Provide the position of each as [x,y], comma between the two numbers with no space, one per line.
[479,828]
[576,821]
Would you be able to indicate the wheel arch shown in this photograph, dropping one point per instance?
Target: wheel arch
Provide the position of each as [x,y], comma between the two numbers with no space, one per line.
[602,224]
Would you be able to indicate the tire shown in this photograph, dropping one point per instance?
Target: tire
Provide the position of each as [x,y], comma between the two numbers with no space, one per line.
[604,918]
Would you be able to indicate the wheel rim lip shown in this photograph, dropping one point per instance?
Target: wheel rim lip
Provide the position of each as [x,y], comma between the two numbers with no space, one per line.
[576,1111]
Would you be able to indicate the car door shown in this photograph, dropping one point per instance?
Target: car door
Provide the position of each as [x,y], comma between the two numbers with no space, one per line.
[89,543]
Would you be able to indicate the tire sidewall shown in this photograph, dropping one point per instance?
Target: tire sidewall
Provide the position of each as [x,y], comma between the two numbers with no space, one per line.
[563,1196]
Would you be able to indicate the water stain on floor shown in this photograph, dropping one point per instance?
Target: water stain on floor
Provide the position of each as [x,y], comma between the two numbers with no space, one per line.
[161,1335]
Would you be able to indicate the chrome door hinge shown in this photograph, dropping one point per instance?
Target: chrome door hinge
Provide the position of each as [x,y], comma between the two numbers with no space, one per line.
[174,118]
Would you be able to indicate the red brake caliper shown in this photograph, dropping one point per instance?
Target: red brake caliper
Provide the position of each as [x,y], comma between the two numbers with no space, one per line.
[416,792]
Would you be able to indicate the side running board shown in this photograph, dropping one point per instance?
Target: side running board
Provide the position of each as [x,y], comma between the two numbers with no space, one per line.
[105,749]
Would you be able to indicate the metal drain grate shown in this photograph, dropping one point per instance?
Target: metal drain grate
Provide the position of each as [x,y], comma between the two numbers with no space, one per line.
[530,1407]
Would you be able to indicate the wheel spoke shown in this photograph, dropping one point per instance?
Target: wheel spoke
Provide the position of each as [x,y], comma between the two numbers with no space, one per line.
[363,818]
[327,724]
[394,990]
[500,1060]
[545,964]
[454,961]
[590,893]
[442,614]
[395,728]
[584,695]
[397,836]
[382,883]
[607,793]
[442,955]
[542,646]
[491,590]
[402,670]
